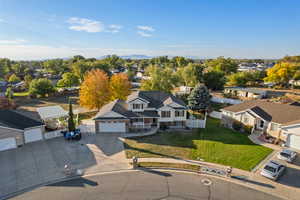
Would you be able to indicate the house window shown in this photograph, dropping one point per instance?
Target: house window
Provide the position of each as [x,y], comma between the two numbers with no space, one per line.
[261,124]
[165,114]
[274,127]
[137,106]
[179,113]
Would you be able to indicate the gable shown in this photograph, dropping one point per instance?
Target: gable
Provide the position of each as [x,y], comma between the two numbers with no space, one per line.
[138,101]
[175,105]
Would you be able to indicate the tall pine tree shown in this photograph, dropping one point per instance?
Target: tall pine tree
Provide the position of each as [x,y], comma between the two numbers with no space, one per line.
[199,99]
[71,124]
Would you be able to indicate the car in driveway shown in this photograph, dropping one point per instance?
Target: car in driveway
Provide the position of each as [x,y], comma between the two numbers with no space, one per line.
[273,170]
[287,155]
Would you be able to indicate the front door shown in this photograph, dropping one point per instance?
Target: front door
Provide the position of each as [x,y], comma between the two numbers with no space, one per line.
[260,124]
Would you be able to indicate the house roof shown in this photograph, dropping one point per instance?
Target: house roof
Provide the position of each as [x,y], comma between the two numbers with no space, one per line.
[260,112]
[157,99]
[12,119]
[51,112]
[275,112]
[118,106]
[252,90]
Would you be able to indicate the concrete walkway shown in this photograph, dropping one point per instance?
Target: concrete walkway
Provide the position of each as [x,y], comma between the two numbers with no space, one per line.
[252,180]
[255,139]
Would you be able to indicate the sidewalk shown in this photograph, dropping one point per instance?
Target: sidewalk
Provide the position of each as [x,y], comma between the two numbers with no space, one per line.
[243,177]
[254,138]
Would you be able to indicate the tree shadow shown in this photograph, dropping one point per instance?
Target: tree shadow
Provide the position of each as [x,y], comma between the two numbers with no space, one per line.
[242,178]
[158,154]
[148,170]
[78,182]
[290,177]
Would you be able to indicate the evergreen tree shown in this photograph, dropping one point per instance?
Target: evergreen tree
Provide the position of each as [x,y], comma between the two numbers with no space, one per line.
[199,99]
[71,124]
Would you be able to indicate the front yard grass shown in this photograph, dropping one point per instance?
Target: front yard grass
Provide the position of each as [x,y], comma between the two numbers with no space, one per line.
[213,144]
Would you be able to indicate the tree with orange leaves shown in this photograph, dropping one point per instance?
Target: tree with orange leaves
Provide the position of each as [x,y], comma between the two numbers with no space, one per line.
[120,86]
[94,90]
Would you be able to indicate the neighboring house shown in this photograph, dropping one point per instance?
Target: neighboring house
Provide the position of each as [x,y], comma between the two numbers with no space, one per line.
[182,90]
[247,93]
[142,110]
[17,129]
[53,116]
[140,75]
[280,121]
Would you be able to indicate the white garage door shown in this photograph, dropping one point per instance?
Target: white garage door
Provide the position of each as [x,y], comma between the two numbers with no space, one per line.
[112,127]
[8,143]
[33,135]
[293,141]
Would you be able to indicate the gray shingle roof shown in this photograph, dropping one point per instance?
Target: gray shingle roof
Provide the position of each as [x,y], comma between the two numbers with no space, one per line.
[11,119]
[280,113]
[156,98]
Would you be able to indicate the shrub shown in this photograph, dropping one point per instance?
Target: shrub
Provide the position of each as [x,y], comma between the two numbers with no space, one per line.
[236,125]
[247,129]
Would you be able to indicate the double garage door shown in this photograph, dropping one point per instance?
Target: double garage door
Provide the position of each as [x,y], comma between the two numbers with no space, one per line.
[33,135]
[293,141]
[117,127]
[8,143]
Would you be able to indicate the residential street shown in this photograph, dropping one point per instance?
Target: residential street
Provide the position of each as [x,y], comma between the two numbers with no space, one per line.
[149,184]
[44,161]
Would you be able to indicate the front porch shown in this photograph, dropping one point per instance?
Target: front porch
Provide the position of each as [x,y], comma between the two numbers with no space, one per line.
[143,124]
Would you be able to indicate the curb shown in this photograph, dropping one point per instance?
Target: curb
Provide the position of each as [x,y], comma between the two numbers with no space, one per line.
[177,170]
[259,165]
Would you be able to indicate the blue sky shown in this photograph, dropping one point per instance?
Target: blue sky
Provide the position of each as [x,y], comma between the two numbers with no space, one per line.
[37,29]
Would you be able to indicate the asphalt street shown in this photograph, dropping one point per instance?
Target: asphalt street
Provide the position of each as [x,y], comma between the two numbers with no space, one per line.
[145,184]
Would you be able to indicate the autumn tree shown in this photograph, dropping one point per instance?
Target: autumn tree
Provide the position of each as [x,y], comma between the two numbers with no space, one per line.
[282,73]
[94,90]
[120,86]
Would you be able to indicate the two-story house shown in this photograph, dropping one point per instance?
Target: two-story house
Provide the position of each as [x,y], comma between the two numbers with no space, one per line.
[141,110]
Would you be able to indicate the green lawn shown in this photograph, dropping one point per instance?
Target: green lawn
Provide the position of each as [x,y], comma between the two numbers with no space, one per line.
[213,144]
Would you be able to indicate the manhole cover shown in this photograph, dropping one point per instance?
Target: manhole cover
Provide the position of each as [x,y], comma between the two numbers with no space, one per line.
[206,182]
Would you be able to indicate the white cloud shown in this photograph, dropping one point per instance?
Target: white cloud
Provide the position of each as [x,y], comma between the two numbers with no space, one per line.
[144,34]
[16,41]
[146,28]
[83,24]
[114,28]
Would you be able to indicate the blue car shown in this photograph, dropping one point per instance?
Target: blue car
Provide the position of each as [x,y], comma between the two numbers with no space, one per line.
[72,135]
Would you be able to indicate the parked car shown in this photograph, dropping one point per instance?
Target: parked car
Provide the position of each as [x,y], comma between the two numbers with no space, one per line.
[273,170]
[73,135]
[287,155]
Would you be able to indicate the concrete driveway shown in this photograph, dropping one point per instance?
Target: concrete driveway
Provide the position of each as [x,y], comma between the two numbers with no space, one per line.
[44,161]
[291,176]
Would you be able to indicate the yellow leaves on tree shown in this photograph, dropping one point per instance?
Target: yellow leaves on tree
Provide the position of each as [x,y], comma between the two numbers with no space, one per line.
[97,90]
[120,86]
[282,73]
[94,90]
